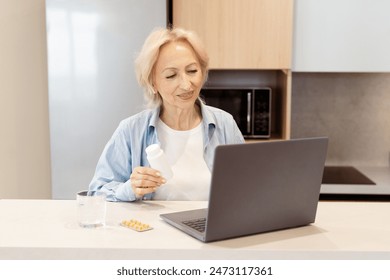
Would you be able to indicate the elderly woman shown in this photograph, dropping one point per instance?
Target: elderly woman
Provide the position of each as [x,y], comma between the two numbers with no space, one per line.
[172,68]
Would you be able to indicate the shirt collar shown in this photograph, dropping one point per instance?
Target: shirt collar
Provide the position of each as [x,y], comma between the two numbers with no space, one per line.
[207,117]
[154,117]
[209,123]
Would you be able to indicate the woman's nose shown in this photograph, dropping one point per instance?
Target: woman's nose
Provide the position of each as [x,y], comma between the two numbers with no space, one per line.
[185,83]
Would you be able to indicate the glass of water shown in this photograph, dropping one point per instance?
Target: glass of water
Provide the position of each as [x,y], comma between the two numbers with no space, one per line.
[91,209]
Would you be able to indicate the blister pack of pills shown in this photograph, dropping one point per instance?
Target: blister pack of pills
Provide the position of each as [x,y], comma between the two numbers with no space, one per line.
[135,225]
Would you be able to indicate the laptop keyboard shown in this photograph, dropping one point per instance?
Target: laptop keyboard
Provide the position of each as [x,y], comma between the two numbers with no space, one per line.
[197,224]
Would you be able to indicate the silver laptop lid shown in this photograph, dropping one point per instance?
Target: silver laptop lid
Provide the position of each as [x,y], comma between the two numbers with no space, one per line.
[264,186]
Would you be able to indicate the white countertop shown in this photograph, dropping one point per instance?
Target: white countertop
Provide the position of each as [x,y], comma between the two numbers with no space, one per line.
[47,229]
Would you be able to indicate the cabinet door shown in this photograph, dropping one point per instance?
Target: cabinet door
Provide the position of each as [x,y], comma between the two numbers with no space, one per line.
[249,34]
[341,36]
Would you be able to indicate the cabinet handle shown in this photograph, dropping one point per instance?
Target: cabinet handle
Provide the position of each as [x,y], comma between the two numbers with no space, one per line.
[248,112]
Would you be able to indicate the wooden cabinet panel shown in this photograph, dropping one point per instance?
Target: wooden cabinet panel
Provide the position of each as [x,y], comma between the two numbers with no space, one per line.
[240,34]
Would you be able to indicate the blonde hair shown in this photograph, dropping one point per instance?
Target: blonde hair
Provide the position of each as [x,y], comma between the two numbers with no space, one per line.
[147,58]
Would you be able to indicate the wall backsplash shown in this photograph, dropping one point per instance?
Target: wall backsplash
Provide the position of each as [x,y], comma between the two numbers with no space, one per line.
[352,109]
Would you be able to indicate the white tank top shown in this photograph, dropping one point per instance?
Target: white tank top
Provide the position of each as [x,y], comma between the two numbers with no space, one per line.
[191,176]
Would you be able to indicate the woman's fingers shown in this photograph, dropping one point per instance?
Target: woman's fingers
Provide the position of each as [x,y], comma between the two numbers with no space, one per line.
[147,177]
[144,190]
[145,180]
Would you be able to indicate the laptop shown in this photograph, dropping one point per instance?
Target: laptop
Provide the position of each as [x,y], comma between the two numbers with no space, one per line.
[258,187]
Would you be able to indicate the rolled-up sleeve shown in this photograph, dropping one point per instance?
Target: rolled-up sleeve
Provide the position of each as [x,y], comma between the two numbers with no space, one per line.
[114,167]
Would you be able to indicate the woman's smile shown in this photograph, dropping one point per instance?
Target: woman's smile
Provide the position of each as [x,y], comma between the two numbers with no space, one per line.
[186,95]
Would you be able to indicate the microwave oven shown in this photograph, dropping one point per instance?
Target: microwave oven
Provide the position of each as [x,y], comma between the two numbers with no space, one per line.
[250,108]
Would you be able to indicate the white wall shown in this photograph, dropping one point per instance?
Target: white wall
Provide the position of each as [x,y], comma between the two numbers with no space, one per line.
[24,123]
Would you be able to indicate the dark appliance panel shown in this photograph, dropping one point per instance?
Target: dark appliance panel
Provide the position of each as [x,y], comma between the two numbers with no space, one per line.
[250,108]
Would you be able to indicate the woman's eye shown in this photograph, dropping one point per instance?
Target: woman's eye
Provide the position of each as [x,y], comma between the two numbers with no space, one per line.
[170,76]
[193,71]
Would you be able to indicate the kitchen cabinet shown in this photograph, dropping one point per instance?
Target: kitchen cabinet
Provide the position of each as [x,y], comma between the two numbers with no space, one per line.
[251,36]
[341,36]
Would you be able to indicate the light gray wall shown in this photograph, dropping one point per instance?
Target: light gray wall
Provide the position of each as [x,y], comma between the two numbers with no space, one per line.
[352,109]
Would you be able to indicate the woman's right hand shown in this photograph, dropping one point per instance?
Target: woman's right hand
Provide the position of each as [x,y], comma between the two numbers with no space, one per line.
[145,180]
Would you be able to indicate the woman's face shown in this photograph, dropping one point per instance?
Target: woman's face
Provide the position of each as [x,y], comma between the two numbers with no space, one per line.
[178,76]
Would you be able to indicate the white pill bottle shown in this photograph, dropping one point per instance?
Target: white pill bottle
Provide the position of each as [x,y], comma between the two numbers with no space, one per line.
[157,160]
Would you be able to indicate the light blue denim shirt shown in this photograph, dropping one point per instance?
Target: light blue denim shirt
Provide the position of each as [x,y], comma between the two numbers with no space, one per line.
[126,148]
